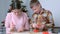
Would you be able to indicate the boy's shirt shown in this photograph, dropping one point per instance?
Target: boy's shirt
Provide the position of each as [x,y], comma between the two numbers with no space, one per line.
[45,17]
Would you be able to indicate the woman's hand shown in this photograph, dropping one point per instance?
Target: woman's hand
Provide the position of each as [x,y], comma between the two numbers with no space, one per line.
[12,27]
[20,30]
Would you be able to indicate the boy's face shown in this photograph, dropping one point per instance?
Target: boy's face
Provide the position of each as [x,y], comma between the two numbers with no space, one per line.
[36,8]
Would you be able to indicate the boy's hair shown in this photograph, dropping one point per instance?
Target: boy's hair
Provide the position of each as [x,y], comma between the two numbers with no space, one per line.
[34,2]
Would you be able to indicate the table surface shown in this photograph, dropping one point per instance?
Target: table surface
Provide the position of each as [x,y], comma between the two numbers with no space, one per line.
[31,33]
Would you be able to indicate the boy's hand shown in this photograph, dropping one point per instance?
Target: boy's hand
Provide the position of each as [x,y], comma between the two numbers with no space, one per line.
[40,26]
[34,25]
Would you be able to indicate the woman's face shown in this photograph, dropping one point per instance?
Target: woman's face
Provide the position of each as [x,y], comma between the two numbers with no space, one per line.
[17,12]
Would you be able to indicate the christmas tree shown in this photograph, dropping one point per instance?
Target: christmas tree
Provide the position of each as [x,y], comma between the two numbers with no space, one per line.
[19,5]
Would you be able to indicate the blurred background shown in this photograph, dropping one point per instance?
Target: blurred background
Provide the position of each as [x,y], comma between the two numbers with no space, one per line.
[52,5]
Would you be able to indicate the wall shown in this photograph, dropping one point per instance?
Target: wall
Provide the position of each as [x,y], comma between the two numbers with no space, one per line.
[4,5]
[52,5]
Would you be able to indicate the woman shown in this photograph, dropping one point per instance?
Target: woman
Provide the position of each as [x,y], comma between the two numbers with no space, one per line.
[16,20]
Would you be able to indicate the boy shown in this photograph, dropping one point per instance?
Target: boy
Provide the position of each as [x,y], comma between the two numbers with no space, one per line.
[41,18]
